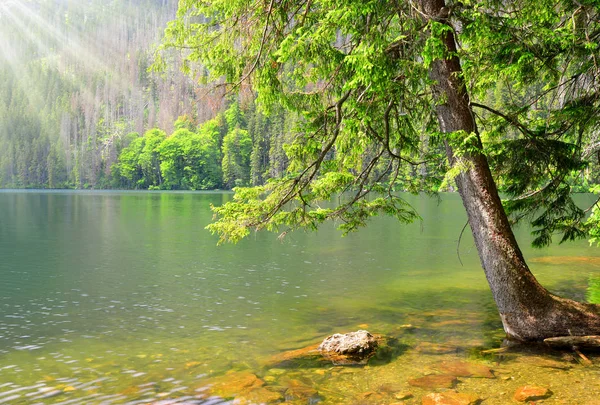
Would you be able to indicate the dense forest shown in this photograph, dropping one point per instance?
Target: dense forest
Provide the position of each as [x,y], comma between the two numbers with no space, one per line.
[75,84]
[80,107]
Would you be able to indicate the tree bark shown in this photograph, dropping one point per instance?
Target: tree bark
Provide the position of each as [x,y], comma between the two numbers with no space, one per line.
[528,311]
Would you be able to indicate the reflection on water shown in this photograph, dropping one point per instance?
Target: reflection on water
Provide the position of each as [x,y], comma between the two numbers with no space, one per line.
[118,297]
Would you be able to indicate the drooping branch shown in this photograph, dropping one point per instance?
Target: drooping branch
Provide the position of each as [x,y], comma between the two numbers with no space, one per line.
[300,182]
[507,118]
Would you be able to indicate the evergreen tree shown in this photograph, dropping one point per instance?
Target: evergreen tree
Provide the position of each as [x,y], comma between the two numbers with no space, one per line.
[379,84]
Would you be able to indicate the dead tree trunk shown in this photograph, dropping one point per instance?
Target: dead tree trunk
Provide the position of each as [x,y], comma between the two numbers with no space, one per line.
[528,311]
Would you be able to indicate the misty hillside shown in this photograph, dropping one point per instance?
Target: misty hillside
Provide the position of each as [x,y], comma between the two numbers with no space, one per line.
[75,81]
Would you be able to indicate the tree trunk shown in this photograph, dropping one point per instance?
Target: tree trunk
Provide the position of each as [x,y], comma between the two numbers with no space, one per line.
[528,311]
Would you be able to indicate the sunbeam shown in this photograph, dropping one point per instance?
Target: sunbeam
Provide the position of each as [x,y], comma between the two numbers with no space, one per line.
[75,82]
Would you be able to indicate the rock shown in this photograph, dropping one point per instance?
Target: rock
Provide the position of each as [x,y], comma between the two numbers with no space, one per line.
[433,348]
[451,398]
[531,393]
[259,395]
[403,395]
[311,350]
[390,387]
[434,381]
[297,390]
[349,348]
[464,369]
[370,397]
[235,383]
[582,342]
[245,387]
[308,356]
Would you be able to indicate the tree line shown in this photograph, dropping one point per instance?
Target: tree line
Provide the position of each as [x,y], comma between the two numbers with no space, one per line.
[75,82]
[235,148]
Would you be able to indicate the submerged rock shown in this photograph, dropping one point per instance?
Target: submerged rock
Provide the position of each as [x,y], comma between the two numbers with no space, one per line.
[296,390]
[260,395]
[242,386]
[531,393]
[451,398]
[371,397]
[235,383]
[349,348]
[434,381]
[308,351]
[306,357]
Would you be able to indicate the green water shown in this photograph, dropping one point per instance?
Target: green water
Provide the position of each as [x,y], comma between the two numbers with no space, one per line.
[123,297]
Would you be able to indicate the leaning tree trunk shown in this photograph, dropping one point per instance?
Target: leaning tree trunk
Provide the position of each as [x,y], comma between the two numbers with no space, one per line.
[528,311]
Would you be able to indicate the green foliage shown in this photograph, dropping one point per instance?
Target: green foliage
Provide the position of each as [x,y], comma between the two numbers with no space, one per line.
[354,76]
[149,158]
[128,167]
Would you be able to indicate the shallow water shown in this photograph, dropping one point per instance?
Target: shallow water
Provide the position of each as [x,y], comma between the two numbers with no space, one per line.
[123,297]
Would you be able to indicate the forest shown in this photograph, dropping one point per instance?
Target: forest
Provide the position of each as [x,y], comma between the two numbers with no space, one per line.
[82,108]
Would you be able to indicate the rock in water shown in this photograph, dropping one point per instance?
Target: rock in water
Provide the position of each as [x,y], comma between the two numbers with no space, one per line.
[349,348]
[451,398]
[434,381]
[531,393]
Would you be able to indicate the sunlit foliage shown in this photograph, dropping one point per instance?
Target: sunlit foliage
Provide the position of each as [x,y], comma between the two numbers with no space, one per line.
[356,75]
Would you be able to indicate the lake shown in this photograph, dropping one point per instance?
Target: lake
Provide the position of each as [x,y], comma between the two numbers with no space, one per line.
[124,298]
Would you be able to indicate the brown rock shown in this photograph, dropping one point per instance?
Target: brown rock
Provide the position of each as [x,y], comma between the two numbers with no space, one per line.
[434,381]
[403,395]
[370,397]
[294,354]
[235,383]
[297,390]
[259,395]
[390,387]
[307,356]
[451,398]
[464,369]
[531,393]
